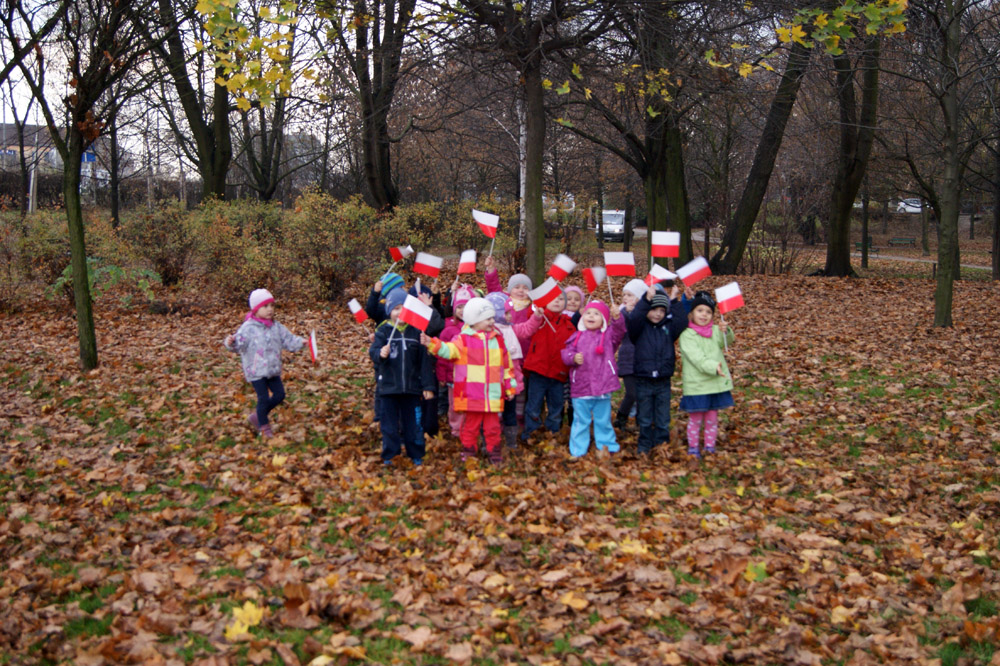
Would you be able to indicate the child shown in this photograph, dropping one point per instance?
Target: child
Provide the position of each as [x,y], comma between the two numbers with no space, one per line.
[626,356]
[546,374]
[516,337]
[574,301]
[518,306]
[706,380]
[404,374]
[484,377]
[653,326]
[593,377]
[375,306]
[445,368]
[259,342]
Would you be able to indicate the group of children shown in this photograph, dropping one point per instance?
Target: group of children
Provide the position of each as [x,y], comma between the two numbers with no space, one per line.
[505,363]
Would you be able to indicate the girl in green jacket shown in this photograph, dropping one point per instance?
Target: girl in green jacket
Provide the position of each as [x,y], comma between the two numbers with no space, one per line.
[707,383]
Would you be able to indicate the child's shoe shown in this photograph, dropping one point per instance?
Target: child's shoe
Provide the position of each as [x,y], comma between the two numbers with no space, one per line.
[417,462]
[496,458]
[265,431]
[693,452]
[254,423]
[709,451]
[510,437]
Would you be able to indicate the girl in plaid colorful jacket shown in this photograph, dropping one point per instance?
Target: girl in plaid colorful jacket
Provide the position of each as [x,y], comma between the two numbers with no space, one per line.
[484,377]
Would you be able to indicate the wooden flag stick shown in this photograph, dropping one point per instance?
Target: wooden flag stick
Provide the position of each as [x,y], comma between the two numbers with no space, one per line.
[392,266]
[492,243]
[611,294]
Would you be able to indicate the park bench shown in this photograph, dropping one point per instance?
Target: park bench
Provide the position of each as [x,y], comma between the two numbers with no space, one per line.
[871,248]
[912,242]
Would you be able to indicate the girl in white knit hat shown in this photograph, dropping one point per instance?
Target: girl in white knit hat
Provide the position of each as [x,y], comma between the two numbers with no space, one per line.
[259,342]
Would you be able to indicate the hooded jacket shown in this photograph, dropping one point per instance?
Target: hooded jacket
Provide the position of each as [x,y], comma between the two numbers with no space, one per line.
[484,376]
[409,369]
[260,346]
[654,343]
[598,374]
[544,353]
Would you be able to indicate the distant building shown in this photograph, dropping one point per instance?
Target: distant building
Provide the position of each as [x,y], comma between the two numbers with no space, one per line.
[38,147]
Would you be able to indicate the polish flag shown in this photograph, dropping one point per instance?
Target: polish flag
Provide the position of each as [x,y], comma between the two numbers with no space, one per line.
[487,222]
[415,313]
[548,292]
[358,311]
[594,277]
[561,267]
[729,297]
[467,264]
[658,273]
[620,263]
[665,244]
[313,350]
[427,264]
[694,270]
[401,252]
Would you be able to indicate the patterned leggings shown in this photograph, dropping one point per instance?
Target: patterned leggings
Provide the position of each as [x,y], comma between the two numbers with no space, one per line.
[710,421]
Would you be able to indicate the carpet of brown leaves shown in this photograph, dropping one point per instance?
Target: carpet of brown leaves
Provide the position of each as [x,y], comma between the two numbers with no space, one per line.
[850,518]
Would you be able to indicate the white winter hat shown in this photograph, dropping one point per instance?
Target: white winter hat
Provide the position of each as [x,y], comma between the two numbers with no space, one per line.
[635,287]
[259,298]
[477,310]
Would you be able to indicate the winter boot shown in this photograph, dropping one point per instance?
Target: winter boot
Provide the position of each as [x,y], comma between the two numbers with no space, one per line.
[510,437]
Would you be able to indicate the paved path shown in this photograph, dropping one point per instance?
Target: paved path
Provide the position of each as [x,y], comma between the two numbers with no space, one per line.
[916,260]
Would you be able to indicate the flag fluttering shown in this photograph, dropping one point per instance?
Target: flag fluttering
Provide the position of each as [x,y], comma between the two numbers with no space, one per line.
[619,264]
[487,222]
[561,267]
[665,243]
[693,271]
[415,313]
[729,297]
[658,273]
[594,277]
[546,293]
[358,311]
[401,252]
[467,263]
[427,264]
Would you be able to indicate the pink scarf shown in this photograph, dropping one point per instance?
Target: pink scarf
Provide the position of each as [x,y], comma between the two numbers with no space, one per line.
[267,322]
[704,331]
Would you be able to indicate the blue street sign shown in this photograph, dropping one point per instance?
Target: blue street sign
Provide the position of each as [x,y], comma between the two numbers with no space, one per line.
[88,156]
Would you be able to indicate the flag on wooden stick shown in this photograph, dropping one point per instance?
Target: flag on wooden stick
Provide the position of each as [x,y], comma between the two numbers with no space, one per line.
[594,277]
[729,297]
[561,267]
[693,271]
[619,264]
[467,263]
[545,294]
[427,264]
[358,311]
[415,313]
[665,243]
[487,222]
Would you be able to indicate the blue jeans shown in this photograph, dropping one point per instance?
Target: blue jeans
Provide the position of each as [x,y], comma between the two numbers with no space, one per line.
[270,394]
[652,397]
[399,426]
[596,409]
[547,391]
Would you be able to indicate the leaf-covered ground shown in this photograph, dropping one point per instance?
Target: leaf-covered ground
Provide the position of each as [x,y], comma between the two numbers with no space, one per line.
[851,517]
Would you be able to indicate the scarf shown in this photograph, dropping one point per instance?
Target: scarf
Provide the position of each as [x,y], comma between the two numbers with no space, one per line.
[704,331]
[267,322]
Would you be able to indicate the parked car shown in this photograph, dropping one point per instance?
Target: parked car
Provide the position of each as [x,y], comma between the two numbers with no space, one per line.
[613,222]
[910,206]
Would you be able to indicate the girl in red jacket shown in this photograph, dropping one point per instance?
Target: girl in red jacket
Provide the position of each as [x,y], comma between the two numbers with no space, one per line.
[545,373]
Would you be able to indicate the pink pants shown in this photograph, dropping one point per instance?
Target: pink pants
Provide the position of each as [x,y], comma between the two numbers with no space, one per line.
[710,422]
[455,419]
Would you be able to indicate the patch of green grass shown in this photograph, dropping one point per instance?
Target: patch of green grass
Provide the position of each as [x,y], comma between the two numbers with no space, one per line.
[672,627]
[89,626]
[561,645]
[196,645]
[626,518]
[688,598]
[982,606]
[227,571]
[683,576]
[680,488]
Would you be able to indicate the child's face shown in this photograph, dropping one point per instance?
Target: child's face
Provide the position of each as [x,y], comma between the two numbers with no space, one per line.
[394,315]
[459,311]
[656,315]
[266,311]
[629,299]
[484,325]
[556,306]
[592,319]
[519,293]
[701,315]
[573,301]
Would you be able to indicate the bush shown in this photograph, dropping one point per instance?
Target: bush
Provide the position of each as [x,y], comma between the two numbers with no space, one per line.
[11,276]
[44,248]
[162,240]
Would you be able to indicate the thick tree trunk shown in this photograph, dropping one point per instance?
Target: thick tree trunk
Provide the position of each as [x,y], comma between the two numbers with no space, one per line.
[864,231]
[951,182]
[78,252]
[115,176]
[727,258]
[996,213]
[534,122]
[857,134]
[677,195]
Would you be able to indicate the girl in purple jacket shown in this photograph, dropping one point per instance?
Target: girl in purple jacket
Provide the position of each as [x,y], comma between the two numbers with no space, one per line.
[593,376]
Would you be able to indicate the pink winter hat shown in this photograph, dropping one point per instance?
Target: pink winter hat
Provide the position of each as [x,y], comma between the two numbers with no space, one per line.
[259,298]
[462,295]
[606,313]
[578,291]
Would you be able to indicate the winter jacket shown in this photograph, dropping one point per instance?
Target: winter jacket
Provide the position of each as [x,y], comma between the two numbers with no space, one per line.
[513,337]
[702,357]
[517,313]
[260,346]
[654,343]
[484,376]
[598,374]
[626,353]
[409,369]
[445,369]
[543,354]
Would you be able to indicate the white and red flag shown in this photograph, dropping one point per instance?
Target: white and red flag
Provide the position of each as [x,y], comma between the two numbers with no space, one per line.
[665,243]
[619,263]
[729,297]
[658,273]
[545,294]
[561,267]
[356,310]
[694,270]
[415,313]
[401,252]
[313,349]
[427,264]
[594,277]
[487,222]
[467,263]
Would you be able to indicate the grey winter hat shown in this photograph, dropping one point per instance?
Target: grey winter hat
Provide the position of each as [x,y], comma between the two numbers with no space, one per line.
[519,279]
[396,297]
[477,310]
[660,301]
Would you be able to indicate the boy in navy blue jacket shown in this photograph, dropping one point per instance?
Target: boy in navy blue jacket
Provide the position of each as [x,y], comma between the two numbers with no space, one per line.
[653,327]
[404,375]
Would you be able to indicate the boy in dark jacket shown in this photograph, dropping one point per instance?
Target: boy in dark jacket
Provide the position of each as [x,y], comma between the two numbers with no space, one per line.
[404,374]
[653,326]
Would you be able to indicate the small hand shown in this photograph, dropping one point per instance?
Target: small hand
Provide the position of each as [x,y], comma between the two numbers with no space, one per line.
[490,263]
[435,288]
[425,339]
[378,287]
[384,352]
[722,322]
[578,358]
[650,292]
[425,298]
[615,311]
[371,338]
[689,292]
[428,395]
[719,371]
[229,340]
[454,287]
[674,292]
